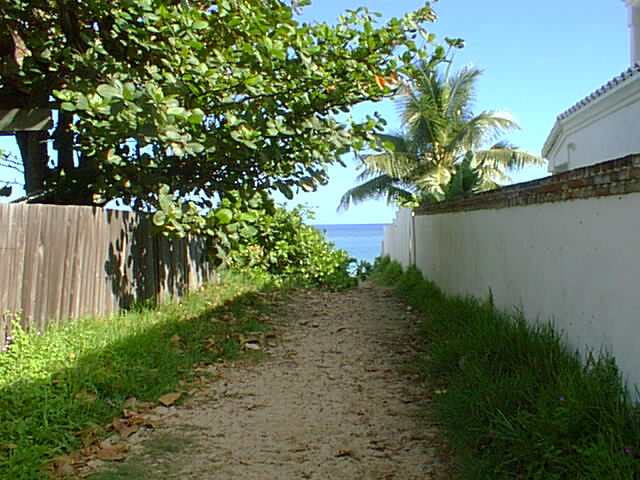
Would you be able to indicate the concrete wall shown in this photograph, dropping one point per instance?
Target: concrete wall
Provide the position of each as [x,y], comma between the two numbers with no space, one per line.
[399,238]
[576,261]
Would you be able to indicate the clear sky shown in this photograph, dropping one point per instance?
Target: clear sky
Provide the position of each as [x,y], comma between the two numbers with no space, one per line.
[539,58]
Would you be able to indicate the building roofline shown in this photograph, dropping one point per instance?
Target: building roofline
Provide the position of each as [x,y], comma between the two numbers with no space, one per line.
[613,84]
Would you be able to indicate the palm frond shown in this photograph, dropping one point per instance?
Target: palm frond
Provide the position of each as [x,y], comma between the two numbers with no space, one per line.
[462,95]
[382,186]
[394,164]
[441,151]
[507,158]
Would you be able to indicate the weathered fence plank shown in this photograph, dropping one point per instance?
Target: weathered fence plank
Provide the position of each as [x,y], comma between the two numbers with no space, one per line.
[65,261]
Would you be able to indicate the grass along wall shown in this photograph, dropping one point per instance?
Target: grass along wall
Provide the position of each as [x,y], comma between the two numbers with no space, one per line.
[564,248]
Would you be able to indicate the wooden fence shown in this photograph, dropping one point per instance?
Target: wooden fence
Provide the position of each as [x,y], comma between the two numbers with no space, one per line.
[60,262]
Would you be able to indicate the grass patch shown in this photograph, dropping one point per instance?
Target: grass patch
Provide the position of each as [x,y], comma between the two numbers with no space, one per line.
[517,403]
[80,374]
[157,459]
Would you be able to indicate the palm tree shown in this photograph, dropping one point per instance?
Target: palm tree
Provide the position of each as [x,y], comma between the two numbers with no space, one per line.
[442,151]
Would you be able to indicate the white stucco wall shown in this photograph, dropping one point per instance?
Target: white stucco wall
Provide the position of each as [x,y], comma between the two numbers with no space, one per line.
[603,129]
[398,238]
[576,262]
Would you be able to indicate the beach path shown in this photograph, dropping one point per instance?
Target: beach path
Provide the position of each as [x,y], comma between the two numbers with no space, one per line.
[336,398]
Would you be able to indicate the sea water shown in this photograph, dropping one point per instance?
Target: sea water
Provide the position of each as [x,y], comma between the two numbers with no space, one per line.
[361,241]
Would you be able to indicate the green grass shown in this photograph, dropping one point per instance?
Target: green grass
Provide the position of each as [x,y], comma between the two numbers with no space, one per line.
[517,403]
[80,374]
[158,459]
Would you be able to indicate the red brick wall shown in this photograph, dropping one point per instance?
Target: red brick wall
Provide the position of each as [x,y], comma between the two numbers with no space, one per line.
[615,177]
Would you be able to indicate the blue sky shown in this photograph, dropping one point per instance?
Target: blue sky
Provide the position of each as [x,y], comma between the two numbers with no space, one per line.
[539,58]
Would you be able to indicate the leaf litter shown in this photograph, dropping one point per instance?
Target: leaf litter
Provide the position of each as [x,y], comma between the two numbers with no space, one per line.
[347,407]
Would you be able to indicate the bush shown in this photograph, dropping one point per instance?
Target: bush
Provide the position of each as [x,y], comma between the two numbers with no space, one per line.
[385,271]
[285,247]
[517,403]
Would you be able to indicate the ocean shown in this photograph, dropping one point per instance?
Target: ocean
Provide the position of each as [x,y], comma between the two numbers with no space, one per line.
[361,241]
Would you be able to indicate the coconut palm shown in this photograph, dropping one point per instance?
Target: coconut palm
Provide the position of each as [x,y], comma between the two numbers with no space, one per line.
[442,151]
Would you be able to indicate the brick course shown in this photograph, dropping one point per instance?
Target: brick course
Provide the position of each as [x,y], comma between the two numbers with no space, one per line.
[615,177]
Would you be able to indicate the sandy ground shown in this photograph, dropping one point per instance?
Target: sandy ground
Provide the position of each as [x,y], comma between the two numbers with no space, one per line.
[335,399]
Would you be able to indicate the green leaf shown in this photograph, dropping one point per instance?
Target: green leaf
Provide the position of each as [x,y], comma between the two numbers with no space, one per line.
[308,184]
[248,216]
[285,190]
[248,231]
[224,215]
[109,91]
[68,107]
[166,202]
[194,148]
[82,103]
[196,116]
[389,146]
[255,201]
[200,25]
[159,218]
[176,111]
[64,95]
[129,91]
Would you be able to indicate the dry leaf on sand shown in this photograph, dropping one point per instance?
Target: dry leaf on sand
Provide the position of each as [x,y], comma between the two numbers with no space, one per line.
[114,453]
[170,398]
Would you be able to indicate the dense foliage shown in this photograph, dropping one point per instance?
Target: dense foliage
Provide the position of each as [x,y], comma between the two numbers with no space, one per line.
[445,149]
[202,96]
[287,248]
[516,401]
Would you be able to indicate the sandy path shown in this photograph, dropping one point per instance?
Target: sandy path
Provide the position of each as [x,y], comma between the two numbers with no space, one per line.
[335,400]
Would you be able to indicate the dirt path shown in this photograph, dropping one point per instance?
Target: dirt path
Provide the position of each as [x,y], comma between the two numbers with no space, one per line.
[335,400]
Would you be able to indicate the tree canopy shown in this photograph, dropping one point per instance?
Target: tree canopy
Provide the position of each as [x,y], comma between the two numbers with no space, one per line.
[187,100]
[445,149]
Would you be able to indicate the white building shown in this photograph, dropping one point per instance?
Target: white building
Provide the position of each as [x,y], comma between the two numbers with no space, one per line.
[606,124]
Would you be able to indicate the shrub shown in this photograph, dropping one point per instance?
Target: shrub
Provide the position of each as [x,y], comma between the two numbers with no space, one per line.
[285,247]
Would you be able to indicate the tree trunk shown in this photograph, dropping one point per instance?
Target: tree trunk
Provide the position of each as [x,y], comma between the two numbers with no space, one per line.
[33,150]
[63,140]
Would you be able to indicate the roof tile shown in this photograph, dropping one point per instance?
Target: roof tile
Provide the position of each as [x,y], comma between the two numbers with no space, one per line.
[627,74]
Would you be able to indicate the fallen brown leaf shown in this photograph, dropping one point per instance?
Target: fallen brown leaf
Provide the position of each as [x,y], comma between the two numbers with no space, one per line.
[123,429]
[88,451]
[136,420]
[77,457]
[89,439]
[115,453]
[169,399]
[153,424]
